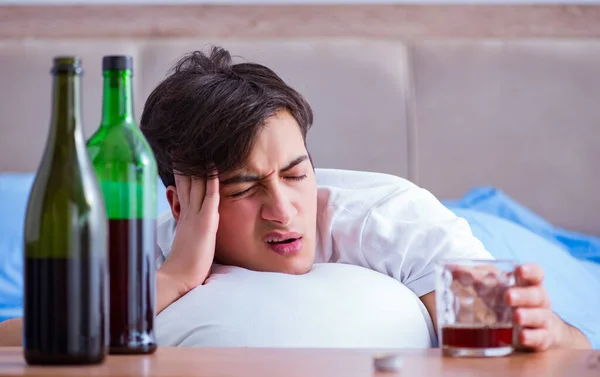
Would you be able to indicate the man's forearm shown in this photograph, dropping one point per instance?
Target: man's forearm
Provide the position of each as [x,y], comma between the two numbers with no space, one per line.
[11,333]
[573,338]
[168,290]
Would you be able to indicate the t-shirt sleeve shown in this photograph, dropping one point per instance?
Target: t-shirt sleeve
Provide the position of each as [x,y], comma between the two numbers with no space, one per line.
[408,231]
[165,232]
[159,256]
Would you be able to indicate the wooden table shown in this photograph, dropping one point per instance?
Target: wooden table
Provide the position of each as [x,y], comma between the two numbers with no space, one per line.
[251,362]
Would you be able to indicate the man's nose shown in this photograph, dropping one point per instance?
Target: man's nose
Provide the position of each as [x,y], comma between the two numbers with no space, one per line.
[279,207]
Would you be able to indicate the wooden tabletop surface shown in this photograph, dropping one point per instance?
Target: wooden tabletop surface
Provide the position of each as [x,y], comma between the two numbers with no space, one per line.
[249,362]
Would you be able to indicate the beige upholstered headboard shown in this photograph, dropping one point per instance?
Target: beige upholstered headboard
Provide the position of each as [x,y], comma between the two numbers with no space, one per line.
[448,96]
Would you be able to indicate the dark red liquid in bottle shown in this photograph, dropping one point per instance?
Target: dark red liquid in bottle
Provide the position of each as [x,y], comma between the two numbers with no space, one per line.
[463,336]
[132,245]
[64,310]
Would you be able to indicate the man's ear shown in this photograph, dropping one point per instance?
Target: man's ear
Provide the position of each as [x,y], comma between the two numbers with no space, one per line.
[173,200]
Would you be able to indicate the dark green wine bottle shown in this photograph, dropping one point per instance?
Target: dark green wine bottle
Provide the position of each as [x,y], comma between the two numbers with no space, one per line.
[126,169]
[65,270]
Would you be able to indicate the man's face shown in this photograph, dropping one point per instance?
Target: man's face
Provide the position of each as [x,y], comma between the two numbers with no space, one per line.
[267,210]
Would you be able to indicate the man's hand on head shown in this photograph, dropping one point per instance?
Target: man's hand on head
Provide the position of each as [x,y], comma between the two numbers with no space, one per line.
[193,248]
[541,329]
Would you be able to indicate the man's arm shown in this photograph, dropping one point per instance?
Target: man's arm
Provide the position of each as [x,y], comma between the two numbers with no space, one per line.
[11,333]
[428,300]
[193,249]
[573,338]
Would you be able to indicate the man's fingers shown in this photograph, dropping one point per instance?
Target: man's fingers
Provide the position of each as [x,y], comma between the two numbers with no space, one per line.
[528,297]
[197,193]
[212,197]
[529,274]
[533,318]
[182,184]
[538,339]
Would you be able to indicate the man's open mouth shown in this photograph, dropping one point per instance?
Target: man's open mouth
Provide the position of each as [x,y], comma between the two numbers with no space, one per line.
[288,240]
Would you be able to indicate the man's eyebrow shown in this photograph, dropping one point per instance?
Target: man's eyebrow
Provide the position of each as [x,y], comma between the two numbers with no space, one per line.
[249,178]
[240,178]
[295,162]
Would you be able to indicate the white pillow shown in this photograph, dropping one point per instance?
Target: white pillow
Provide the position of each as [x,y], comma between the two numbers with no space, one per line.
[333,306]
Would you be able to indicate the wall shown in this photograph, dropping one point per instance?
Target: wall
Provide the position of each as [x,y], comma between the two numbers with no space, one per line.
[454,96]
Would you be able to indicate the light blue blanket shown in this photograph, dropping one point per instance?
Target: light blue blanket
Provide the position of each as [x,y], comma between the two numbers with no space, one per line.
[495,202]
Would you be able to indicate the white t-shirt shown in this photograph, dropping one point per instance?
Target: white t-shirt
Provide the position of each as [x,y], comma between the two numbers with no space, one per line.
[376,221]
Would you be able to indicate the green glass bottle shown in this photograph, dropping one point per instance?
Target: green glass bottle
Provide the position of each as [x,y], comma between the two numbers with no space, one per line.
[126,169]
[65,240]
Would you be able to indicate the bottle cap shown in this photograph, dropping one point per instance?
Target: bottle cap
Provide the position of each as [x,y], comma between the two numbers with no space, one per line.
[117,62]
[67,64]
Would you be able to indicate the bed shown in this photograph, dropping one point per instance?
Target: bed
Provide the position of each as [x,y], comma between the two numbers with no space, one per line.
[499,122]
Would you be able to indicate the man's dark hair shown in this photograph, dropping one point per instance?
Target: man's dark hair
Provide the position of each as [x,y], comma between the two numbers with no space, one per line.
[209,111]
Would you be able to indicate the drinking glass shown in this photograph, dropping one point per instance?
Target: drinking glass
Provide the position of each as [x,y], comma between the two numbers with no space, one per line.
[472,315]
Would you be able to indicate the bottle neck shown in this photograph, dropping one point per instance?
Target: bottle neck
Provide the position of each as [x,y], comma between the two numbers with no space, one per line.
[66,106]
[117,105]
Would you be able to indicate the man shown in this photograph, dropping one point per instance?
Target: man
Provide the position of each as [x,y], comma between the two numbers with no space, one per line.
[230,145]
